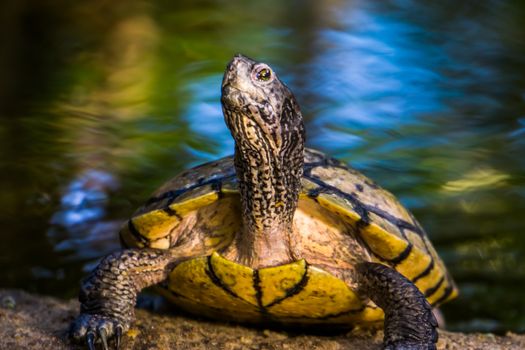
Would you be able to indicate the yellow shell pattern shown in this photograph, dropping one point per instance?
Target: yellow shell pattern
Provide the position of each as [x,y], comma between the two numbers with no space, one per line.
[295,293]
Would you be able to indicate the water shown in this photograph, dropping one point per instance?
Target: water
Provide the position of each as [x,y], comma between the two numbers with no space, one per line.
[101,102]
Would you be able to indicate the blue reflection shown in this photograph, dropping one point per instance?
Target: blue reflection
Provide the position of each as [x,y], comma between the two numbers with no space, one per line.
[204,116]
[84,199]
[376,73]
[79,226]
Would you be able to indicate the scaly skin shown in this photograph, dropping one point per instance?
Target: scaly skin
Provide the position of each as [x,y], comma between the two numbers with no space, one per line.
[409,321]
[109,294]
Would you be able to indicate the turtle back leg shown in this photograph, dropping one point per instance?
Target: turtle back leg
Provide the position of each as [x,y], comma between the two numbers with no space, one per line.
[108,295]
[409,321]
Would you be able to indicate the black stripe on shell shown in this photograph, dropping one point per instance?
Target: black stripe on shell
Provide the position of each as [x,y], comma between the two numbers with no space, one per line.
[294,289]
[326,162]
[325,188]
[446,294]
[172,212]
[426,271]
[217,188]
[363,209]
[430,291]
[136,234]
[258,290]
[217,281]
[402,256]
[174,194]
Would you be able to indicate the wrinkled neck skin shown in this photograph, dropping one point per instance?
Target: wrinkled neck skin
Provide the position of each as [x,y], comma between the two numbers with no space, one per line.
[269,184]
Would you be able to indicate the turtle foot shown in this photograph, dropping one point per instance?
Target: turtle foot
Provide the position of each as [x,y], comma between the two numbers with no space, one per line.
[97,328]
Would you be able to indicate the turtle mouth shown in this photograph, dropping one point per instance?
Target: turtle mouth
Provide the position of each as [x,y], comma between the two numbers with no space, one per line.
[231,97]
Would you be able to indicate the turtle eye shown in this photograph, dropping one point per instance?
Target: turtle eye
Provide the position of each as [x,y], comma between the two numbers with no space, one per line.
[263,74]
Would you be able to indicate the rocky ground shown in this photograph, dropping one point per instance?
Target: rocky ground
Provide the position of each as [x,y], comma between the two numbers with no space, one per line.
[36,322]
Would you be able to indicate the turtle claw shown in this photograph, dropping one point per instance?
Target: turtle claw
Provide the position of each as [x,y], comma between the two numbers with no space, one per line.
[90,338]
[102,332]
[118,336]
[97,328]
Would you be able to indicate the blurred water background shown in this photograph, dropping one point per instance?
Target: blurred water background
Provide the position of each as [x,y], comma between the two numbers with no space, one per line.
[102,101]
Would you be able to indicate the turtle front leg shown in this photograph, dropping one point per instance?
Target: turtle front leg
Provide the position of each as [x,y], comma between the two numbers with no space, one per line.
[108,295]
[409,321]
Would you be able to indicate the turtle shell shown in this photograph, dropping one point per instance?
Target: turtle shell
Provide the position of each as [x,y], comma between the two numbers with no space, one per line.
[302,291]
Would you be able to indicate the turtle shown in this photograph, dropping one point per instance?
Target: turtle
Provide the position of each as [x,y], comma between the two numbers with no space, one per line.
[276,234]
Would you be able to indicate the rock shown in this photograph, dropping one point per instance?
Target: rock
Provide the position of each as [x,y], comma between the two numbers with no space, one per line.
[30,321]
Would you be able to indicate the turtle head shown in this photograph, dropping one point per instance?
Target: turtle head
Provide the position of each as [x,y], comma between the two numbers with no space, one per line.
[266,123]
[258,107]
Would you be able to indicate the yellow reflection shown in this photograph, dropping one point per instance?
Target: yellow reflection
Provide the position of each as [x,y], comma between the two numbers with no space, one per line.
[128,62]
[477,179]
[122,76]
